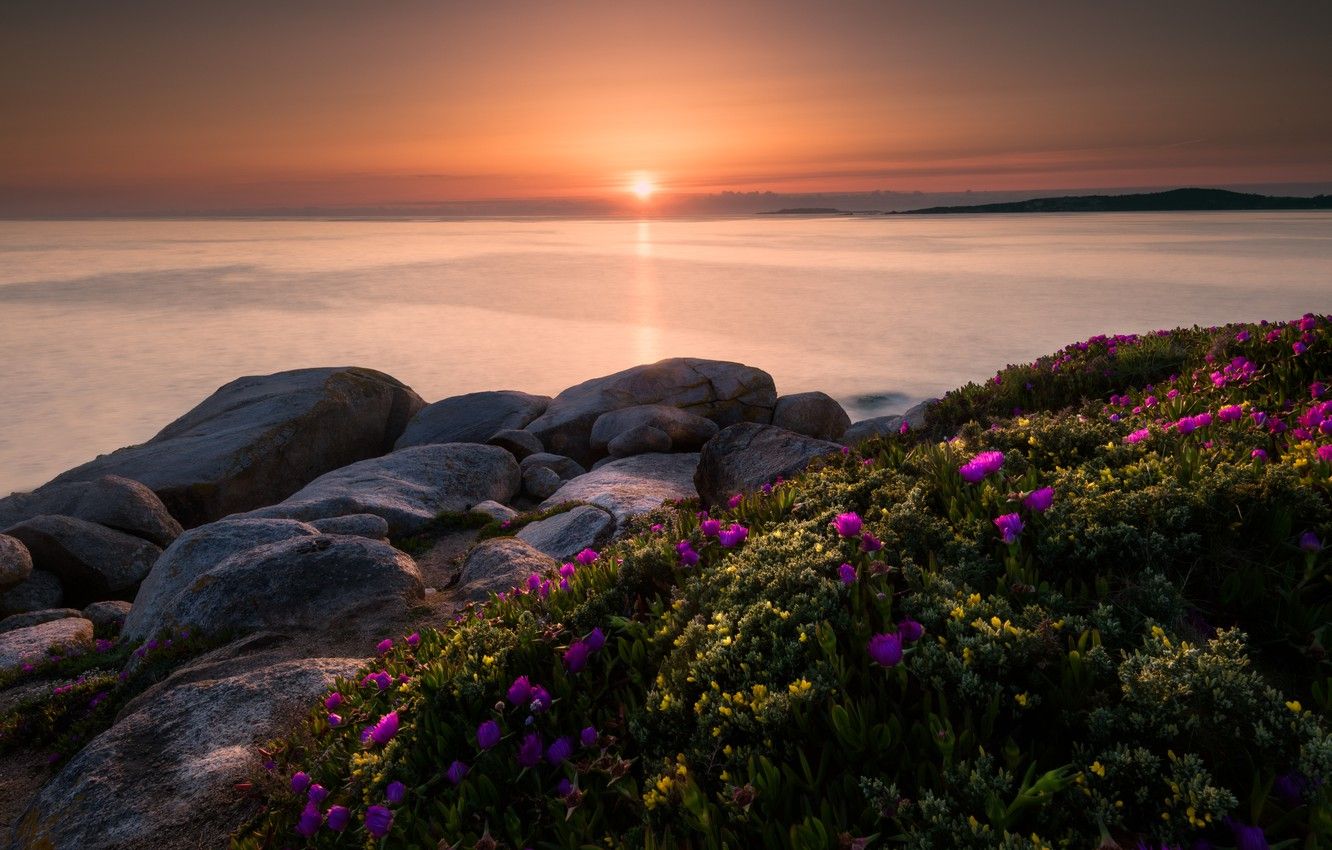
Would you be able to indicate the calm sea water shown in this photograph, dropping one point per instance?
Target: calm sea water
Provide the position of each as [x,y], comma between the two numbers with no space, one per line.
[111,329]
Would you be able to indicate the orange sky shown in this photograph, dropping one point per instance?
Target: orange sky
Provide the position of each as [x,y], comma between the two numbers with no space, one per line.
[205,105]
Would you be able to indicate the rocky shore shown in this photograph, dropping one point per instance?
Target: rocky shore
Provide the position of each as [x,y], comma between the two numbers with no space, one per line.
[299,517]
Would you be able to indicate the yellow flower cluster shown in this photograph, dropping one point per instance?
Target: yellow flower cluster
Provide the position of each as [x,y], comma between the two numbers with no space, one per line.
[674,777]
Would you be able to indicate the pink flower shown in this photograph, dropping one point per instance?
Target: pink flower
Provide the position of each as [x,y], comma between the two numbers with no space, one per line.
[733,536]
[885,649]
[847,524]
[1138,436]
[1010,525]
[1039,500]
[710,527]
[384,645]
[1258,454]
[1230,413]
[983,464]
[383,731]
[847,574]
[734,501]
[586,556]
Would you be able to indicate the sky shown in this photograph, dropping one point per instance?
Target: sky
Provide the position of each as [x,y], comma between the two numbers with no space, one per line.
[162,106]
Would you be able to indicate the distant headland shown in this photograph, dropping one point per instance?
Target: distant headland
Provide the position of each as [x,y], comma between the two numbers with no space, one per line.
[1174,200]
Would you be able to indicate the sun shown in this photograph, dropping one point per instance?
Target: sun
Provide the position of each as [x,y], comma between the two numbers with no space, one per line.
[643,187]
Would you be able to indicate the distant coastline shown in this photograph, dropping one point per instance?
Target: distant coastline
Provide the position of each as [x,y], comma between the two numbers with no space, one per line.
[1174,200]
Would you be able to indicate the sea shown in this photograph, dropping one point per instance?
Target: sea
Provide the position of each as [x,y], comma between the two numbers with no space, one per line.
[110,329]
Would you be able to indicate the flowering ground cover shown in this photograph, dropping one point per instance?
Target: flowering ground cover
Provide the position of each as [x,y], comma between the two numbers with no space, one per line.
[1088,604]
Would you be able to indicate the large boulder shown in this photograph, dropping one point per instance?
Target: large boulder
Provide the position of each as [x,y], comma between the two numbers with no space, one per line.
[642,440]
[684,431]
[39,591]
[185,562]
[309,584]
[632,485]
[33,643]
[472,418]
[565,535]
[915,416]
[499,564]
[744,457]
[111,500]
[409,487]
[878,426]
[92,561]
[518,443]
[196,737]
[564,467]
[724,392]
[15,562]
[259,439]
[109,614]
[541,481]
[813,414]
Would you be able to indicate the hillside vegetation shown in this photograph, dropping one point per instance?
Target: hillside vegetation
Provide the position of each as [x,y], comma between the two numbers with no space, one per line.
[1089,603]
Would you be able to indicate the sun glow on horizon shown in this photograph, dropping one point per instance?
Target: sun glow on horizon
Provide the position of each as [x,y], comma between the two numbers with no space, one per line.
[643,187]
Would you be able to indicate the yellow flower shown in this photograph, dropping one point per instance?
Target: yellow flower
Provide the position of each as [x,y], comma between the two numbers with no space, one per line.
[1021,699]
[1098,768]
[1294,705]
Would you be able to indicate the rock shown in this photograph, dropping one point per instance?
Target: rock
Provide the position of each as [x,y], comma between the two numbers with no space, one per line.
[195,736]
[33,618]
[879,426]
[814,414]
[40,591]
[110,614]
[259,439]
[310,584]
[565,535]
[472,418]
[33,643]
[540,482]
[641,440]
[685,431]
[744,457]
[632,485]
[111,500]
[409,487]
[15,562]
[92,561]
[915,416]
[356,525]
[185,562]
[723,392]
[495,511]
[565,467]
[497,565]
[520,444]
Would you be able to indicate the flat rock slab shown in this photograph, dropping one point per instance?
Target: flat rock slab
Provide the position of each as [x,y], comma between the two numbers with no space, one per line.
[111,500]
[259,439]
[472,418]
[40,591]
[92,561]
[713,389]
[306,584]
[192,738]
[744,457]
[632,485]
[32,643]
[565,535]
[408,488]
[15,562]
[195,553]
[33,618]
[499,564]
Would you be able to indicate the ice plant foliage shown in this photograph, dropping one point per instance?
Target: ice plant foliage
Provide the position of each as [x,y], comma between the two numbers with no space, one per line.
[866,658]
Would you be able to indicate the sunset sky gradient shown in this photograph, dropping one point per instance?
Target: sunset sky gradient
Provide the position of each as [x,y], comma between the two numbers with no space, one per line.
[166,105]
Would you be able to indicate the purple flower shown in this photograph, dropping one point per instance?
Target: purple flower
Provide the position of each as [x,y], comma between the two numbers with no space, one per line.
[520,691]
[333,700]
[586,556]
[414,639]
[1040,500]
[560,749]
[983,464]
[396,792]
[1242,336]
[334,720]
[688,557]
[487,734]
[529,751]
[847,574]
[564,787]
[885,649]
[847,524]
[904,427]
[317,793]
[870,543]
[338,818]
[1010,525]
[457,772]
[595,639]
[1248,837]
[588,736]
[310,821]
[567,570]
[378,821]
[300,780]
[540,699]
[1309,542]
[381,680]
[383,731]
[1258,454]
[384,645]
[657,528]
[1138,436]
[734,501]
[1325,452]
[1230,413]
[1298,348]
[910,631]
[575,657]
[733,536]
[710,527]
